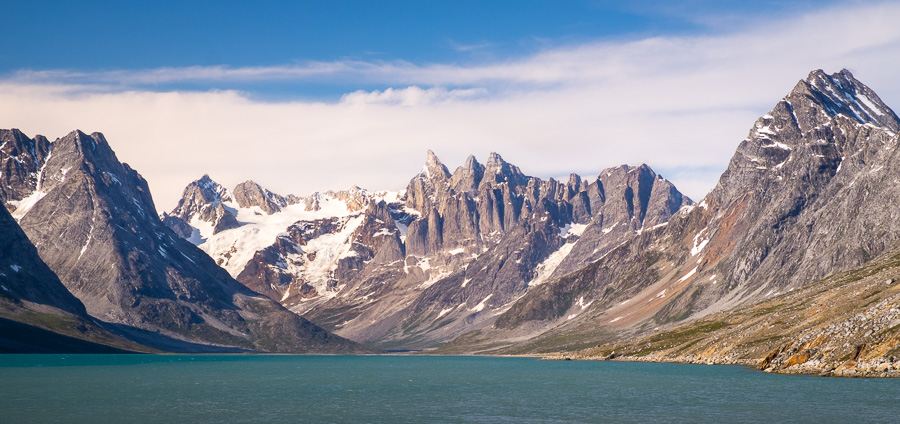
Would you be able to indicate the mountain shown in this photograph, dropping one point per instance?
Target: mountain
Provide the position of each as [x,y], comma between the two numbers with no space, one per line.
[487,259]
[202,200]
[93,222]
[37,313]
[806,195]
[21,160]
[847,324]
[411,270]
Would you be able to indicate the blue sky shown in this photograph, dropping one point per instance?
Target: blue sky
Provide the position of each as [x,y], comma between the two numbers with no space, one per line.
[305,96]
[116,34]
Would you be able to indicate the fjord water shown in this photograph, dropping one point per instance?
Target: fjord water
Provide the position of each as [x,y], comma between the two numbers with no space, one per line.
[413,389]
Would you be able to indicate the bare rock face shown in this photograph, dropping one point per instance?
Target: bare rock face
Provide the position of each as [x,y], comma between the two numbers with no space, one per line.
[37,313]
[202,199]
[467,177]
[624,201]
[824,154]
[97,229]
[25,278]
[21,160]
[249,193]
[805,196]
[423,191]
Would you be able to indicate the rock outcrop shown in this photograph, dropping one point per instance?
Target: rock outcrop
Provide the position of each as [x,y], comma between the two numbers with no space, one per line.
[248,194]
[202,200]
[21,163]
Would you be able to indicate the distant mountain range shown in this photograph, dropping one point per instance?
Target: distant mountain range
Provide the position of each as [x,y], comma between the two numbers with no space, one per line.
[484,259]
[414,269]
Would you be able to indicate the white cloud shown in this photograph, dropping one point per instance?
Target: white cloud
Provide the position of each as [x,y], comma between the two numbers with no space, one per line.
[679,104]
[411,96]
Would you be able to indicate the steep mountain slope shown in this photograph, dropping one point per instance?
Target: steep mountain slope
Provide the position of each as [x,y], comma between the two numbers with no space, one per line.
[93,222]
[37,313]
[21,159]
[416,268]
[804,196]
[845,325]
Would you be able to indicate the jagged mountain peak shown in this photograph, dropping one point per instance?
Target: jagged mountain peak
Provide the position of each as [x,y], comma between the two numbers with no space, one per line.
[206,181]
[625,172]
[431,158]
[433,168]
[842,93]
[21,159]
[494,159]
[501,171]
[496,165]
[211,191]
[92,145]
[90,156]
[202,199]
[467,177]
[248,194]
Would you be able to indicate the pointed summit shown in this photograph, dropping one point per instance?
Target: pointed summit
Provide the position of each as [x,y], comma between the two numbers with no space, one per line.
[467,177]
[433,168]
[433,178]
[827,142]
[21,159]
[202,199]
[431,158]
[842,94]
[471,162]
[497,170]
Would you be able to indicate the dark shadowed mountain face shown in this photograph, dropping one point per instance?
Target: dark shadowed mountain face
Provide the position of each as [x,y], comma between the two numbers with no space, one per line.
[807,194]
[94,223]
[416,268]
[37,313]
[24,277]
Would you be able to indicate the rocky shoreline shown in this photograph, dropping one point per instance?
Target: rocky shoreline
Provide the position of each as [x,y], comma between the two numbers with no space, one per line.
[880,368]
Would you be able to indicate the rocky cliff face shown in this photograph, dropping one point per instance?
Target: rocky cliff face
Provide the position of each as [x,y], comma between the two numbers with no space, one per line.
[416,268]
[37,312]
[202,201]
[249,194]
[24,277]
[804,196]
[21,160]
[93,222]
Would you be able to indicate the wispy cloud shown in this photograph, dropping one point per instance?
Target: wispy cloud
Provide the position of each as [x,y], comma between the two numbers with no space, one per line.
[469,47]
[411,96]
[833,34]
[680,104]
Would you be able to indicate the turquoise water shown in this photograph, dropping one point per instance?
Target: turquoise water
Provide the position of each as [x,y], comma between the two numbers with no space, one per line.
[400,389]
